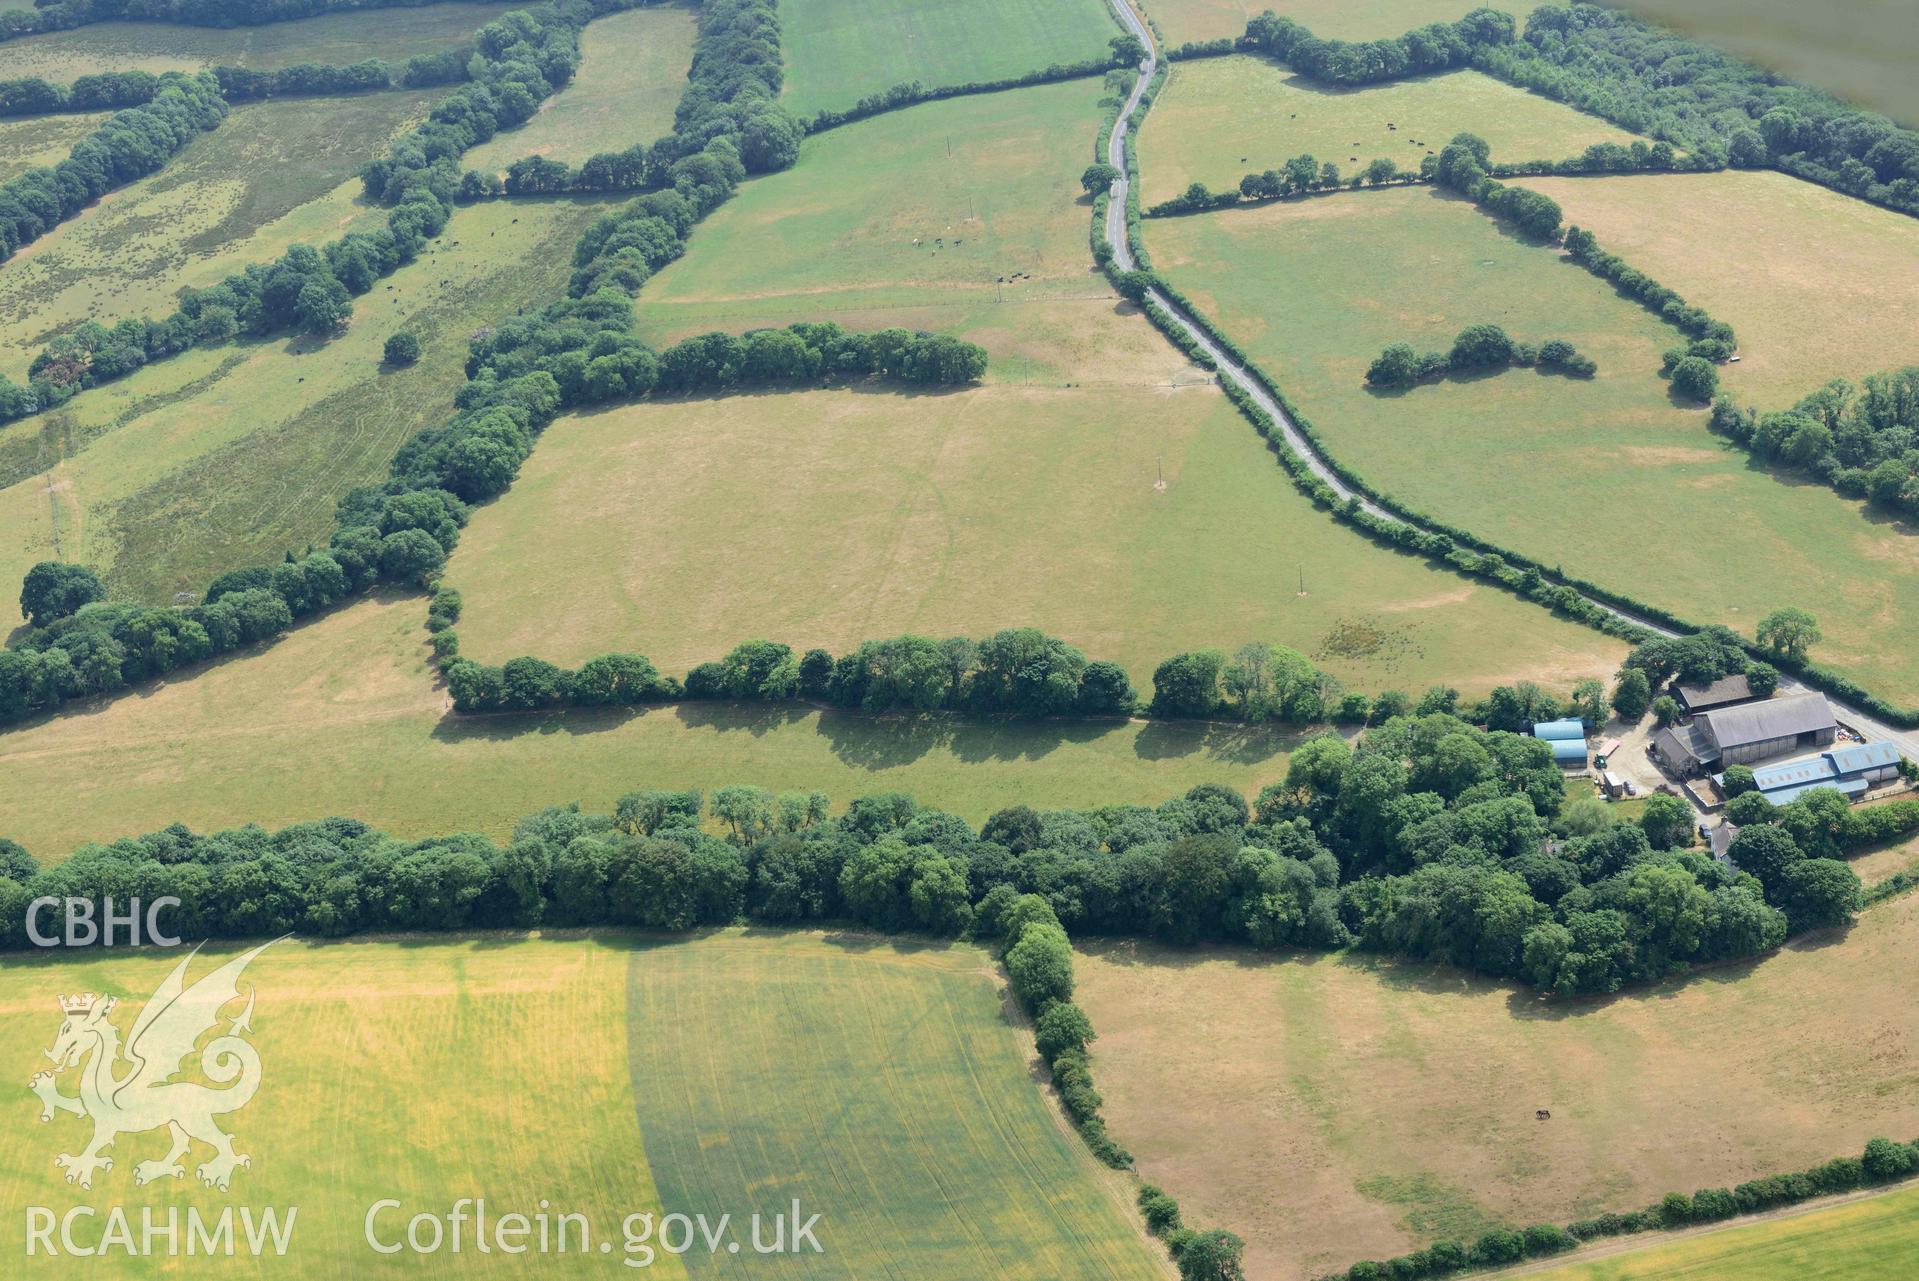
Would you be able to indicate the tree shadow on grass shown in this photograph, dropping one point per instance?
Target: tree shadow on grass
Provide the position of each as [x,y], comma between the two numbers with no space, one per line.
[892,740]
[466,727]
[1223,741]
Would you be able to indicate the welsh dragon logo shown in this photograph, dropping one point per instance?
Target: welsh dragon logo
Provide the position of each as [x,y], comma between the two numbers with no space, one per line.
[129,1090]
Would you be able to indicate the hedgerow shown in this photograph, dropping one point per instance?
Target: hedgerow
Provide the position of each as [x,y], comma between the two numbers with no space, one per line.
[522,57]
[130,144]
[1884,1161]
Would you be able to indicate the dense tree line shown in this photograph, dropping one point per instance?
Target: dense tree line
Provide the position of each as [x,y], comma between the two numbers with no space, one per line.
[1300,176]
[1610,157]
[65,15]
[107,90]
[311,290]
[729,123]
[130,144]
[1862,440]
[1477,349]
[1434,47]
[1694,96]
[1431,839]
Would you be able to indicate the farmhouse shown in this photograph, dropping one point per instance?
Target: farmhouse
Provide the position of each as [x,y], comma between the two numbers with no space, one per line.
[1725,692]
[1851,771]
[1744,733]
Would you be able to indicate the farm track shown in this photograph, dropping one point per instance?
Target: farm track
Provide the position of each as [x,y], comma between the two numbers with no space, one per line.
[1296,440]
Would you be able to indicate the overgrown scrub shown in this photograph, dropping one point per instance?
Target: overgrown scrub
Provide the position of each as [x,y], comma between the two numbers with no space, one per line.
[521,57]
[131,144]
[1694,96]
[401,533]
[1477,349]
[1883,1161]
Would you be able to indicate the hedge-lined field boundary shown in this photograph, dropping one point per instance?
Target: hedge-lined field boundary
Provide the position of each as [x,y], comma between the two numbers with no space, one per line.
[1883,1164]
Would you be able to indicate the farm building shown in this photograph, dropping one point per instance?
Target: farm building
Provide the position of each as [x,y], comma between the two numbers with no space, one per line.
[1567,739]
[1852,771]
[1744,733]
[1756,731]
[1725,692]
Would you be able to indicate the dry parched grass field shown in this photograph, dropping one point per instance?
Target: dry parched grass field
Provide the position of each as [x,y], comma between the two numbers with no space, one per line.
[1334,1108]
[1833,299]
[1222,118]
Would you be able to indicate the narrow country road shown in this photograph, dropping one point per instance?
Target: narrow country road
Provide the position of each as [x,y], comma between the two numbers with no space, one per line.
[1907,741]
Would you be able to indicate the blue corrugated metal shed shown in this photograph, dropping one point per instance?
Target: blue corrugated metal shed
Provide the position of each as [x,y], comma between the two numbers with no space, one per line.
[1860,757]
[1806,769]
[1567,750]
[1848,787]
[1561,729]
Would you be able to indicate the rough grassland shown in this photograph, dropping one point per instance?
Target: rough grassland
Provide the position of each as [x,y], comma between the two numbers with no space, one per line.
[884,1087]
[230,456]
[839,51]
[1886,861]
[1818,285]
[1874,1237]
[632,72]
[40,142]
[1605,477]
[388,1071]
[827,518]
[337,39]
[1342,1107]
[1183,20]
[343,717]
[272,174]
[1222,118]
[1028,501]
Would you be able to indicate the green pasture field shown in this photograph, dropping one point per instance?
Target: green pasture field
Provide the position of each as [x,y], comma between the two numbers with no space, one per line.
[273,174]
[831,517]
[387,1071]
[839,51]
[41,142]
[1219,119]
[1183,20]
[885,1087]
[344,716]
[1395,1103]
[336,39]
[970,207]
[1606,477]
[1833,299]
[632,72]
[1875,1236]
[230,456]
[1031,500]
